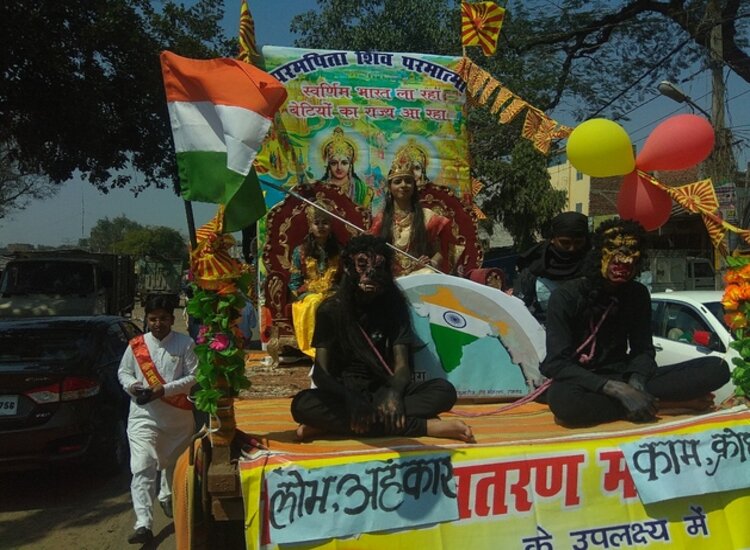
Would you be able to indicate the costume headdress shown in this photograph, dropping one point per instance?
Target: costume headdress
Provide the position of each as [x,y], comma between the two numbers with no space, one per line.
[339,146]
[401,167]
[413,153]
[311,212]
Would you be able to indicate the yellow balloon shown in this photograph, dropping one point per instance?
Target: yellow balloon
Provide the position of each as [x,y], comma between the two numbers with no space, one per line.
[601,148]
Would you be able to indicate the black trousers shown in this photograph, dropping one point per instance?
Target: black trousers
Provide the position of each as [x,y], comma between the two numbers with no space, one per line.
[577,406]
[328,411]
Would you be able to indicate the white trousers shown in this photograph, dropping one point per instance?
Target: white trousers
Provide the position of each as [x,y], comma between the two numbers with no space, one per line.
[143,490]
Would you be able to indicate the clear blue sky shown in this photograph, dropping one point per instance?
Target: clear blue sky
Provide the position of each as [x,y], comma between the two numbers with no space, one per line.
[70,215]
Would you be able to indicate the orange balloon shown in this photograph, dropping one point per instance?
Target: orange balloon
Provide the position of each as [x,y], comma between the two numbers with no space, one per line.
[677,143]
[643,202]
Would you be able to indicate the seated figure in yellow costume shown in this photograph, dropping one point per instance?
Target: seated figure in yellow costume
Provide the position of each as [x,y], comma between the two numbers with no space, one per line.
[339,154]
[314,267]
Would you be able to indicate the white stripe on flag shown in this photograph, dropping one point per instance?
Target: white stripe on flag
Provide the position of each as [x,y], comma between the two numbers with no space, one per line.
[203,126]
[449,318]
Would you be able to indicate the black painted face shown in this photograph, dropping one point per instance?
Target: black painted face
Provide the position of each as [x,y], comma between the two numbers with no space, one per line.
[369,271]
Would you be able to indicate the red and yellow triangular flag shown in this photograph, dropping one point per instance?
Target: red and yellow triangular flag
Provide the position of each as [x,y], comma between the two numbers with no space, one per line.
[480,25]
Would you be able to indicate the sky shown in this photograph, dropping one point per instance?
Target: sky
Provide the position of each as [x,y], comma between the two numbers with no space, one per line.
[76,208]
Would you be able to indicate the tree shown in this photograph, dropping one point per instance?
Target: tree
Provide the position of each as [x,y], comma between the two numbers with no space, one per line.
[82,90]
[605,55]
[526,206]
[123,236]
[107,234]
[18,188]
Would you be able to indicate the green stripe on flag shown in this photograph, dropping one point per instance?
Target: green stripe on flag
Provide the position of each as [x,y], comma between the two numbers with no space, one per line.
[204,177]
[449,343]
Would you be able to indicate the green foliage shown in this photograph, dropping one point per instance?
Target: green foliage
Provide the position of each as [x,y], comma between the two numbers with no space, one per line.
[221,359]
[124,236]
[82,88]
[520,195]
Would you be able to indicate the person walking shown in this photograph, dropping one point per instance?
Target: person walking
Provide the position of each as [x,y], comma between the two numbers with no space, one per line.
[157,371]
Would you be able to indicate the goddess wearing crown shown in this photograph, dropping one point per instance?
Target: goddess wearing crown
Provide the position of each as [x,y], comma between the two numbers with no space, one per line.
[339,154]
[417,156]
[408,225]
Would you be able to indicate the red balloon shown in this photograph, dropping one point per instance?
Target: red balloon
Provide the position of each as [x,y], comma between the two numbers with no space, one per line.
[643,202]
[677,143]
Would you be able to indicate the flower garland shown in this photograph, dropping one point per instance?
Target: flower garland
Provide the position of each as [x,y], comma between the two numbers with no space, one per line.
[219,343]
[217,302]
[736,302]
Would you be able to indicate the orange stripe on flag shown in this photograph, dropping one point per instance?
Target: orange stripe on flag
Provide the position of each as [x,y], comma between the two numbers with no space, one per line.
[222,82]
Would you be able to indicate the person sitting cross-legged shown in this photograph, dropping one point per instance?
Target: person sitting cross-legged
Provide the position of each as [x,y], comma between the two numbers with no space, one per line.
[362,370]
[600,355]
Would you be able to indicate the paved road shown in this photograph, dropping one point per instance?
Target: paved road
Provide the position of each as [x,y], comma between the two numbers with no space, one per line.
[70,508]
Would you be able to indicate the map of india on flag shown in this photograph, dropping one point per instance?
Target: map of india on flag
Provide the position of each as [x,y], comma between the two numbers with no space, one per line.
[220,111]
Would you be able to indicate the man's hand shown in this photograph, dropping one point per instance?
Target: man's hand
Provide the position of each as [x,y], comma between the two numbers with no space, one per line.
[146,395]
[640,406]
[638,382]
[390,410]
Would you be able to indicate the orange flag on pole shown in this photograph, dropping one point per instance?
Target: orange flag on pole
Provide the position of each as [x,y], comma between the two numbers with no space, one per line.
[480,25]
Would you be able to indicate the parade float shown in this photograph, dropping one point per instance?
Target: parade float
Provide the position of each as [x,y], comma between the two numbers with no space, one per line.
[680,482]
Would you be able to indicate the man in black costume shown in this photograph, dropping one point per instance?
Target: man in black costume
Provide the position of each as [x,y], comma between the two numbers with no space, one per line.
[546,265]
[600,354]
[363,342]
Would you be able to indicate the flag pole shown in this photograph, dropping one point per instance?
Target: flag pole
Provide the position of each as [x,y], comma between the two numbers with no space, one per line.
[297,196]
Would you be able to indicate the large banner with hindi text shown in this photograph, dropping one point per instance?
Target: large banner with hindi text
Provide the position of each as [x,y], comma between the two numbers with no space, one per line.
[586,492]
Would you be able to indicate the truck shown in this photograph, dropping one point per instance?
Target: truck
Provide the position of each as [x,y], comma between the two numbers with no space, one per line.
[678,272]
[67,282]
[159,276]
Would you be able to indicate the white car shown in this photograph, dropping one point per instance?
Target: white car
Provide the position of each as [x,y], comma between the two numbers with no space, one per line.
[689,324]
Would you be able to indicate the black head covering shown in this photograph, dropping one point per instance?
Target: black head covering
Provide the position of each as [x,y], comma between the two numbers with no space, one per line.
[570,224]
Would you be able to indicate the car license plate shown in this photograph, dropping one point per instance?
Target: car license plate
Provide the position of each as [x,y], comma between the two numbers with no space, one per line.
[8,405]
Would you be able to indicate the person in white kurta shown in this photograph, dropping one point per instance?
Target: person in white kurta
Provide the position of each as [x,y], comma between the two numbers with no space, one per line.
[158,431]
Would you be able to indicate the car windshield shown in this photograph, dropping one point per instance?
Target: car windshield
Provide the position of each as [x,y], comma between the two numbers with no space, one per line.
[49,277]
[717,310]
[43,344]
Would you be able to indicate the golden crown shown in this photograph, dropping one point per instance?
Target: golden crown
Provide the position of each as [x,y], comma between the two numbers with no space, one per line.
[339,146]
[413,153]
[312,213]
[401,167]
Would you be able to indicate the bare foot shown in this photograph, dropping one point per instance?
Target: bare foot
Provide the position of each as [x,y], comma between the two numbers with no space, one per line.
[307,433]
[450,429]
[703,403]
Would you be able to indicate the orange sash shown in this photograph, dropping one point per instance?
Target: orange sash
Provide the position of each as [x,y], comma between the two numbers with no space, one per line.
[146,364]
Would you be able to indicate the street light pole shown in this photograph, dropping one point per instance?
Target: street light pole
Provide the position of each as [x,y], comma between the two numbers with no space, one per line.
[666,88]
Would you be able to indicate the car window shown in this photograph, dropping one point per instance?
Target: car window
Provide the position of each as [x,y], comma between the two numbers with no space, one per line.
[43,344]
[685,324]
[657,319]
[130,330]
[717,310]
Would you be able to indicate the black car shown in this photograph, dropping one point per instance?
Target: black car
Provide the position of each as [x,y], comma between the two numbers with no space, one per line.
[60,399]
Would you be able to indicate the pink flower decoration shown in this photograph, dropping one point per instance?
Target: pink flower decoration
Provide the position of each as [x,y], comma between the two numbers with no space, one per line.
[200,338]
[220,342]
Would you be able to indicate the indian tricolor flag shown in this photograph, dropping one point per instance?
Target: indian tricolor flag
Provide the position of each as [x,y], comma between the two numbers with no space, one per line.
[220,111]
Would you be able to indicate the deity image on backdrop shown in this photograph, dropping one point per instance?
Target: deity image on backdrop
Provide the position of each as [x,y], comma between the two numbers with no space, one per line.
[339,155]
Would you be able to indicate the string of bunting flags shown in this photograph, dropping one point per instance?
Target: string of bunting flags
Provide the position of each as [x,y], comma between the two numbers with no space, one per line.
[488,92]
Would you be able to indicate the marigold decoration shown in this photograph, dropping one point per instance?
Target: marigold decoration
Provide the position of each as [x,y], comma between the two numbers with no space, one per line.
[218,303]
[736,302]
[480,25]
[483,89]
